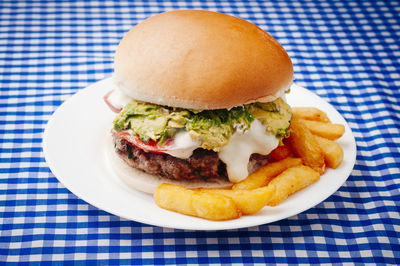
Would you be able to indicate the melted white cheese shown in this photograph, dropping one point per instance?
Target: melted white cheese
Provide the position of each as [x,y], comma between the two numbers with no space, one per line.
[183,145]
[118,99]
[237,153]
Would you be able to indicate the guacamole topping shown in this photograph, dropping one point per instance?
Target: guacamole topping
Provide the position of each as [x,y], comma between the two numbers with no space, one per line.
[211,128]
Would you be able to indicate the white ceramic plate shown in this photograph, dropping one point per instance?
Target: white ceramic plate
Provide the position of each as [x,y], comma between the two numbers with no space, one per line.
[74,145]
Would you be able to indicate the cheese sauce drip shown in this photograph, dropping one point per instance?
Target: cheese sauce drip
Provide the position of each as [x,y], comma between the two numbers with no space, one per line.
[236,154]
[183,145]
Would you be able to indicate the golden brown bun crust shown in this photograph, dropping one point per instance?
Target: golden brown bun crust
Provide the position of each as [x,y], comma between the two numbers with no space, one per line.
[200,60]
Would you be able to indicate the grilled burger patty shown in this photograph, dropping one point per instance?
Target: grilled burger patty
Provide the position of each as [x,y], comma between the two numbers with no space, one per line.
[202,164]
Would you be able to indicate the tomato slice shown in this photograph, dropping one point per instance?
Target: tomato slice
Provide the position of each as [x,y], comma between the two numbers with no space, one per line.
[150,146]
[281,152]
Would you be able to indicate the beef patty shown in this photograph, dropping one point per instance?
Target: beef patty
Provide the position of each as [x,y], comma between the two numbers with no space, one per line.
[202,164]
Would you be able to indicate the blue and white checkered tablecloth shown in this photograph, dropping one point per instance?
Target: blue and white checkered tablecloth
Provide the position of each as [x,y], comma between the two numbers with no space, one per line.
[348,52]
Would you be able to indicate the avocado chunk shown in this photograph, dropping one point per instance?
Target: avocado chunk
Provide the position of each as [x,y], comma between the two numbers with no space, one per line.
[274,115]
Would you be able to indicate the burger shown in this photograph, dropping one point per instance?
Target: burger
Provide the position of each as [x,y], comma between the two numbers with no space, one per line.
[200,98]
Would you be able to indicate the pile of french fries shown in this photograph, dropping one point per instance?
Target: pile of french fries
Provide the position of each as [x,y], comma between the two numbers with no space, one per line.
[312,148]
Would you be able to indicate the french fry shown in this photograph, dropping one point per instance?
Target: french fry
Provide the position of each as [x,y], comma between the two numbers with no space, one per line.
[291,181]
[325,130]
[248,201]
[304,145]
[332,151]
[310,113]
[203,205]
[266,173]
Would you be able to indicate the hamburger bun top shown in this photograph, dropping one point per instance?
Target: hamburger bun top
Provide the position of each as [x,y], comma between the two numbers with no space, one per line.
[200,60]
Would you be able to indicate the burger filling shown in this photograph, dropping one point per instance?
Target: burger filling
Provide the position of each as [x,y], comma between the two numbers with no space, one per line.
[234,134]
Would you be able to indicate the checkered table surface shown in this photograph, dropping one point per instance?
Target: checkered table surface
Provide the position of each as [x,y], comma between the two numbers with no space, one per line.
[348,52]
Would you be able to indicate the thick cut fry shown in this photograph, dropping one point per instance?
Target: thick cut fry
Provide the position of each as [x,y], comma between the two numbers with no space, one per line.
[200,204]
[310,113]
[214,207]
[304,145]
[325,130]
[262,176]
[291,181]
[332,151]
[174,198]
[248,201]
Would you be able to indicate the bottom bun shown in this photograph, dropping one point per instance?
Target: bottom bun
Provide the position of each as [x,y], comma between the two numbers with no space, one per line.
[147,183]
